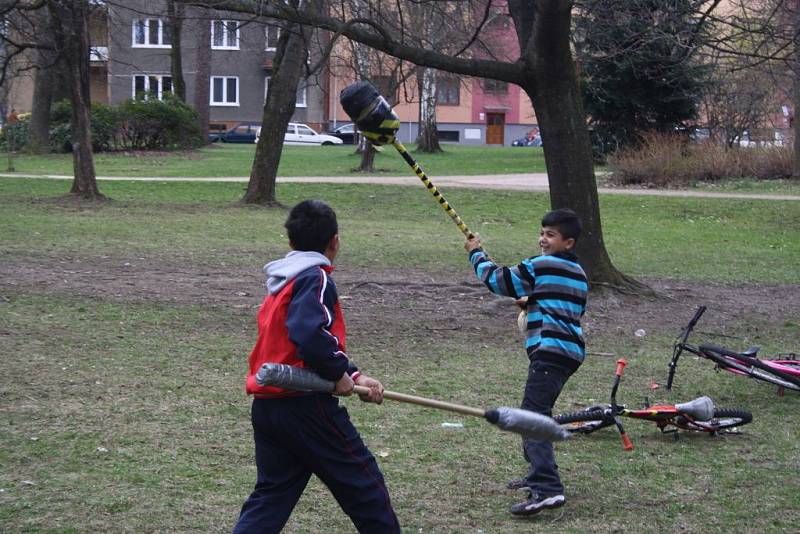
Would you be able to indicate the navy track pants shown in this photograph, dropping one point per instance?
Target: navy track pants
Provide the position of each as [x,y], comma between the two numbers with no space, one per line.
[296,437]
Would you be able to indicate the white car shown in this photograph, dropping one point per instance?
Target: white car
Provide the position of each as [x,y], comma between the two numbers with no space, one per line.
[302,134]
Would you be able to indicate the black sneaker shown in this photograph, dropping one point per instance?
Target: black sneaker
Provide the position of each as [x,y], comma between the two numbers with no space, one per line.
[536,503]
[517,483]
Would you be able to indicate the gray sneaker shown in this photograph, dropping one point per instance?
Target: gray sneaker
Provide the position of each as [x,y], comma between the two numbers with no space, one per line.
[536,503]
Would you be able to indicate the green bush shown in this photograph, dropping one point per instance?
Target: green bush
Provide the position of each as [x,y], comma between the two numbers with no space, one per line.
[15,136]
[667,160]
[60,112]
[105,124]
[157,124]
[134,124]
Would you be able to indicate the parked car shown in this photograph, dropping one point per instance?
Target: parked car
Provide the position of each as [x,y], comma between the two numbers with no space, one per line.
[302,134]
[347,133]
[532,138]
[244,132]
[527,141]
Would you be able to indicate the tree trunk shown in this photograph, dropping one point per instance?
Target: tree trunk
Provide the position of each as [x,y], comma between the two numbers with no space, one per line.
[39,131]
[795,69]
[428,138]
[552,85]
[71,33]
[368,152]
[202,86]
[278,111]
[175,14]
[796,105]
[43,84]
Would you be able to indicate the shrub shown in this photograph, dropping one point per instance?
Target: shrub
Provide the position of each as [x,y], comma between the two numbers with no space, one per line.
[14,136]
[60,113]
[104,125]
[672,160]
[154,124]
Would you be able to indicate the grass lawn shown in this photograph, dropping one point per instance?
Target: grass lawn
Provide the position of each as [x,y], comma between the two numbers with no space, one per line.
[222,159]
[727,240]
[124,330]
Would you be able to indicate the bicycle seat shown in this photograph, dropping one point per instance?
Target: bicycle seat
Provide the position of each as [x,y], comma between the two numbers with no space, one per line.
[752,352]
[701,408]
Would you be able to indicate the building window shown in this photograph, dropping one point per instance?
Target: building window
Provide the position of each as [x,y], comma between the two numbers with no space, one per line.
[224,91]
[451,136]
[273,33]
[153,33]
[147,86]
[448,91]
[302,92]
[495,87]
[224,35]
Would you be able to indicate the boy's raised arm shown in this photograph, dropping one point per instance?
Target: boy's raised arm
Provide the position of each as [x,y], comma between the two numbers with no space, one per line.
[516,282]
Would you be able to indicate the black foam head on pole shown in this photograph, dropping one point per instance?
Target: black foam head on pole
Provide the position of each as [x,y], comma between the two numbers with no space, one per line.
[371,112]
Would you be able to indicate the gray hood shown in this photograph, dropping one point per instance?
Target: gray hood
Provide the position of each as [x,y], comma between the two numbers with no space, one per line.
[279,272]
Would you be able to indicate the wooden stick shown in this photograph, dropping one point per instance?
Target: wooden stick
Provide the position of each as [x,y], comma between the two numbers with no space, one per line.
[422,401]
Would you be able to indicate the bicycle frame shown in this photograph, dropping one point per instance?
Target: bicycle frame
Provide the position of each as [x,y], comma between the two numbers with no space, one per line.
[698,415]
[783,373]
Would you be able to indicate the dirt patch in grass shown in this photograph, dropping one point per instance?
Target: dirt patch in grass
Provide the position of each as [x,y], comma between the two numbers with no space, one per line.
[405,303]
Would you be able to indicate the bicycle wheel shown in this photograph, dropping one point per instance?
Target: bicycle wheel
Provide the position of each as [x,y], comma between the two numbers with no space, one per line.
[584,422]
[724,418]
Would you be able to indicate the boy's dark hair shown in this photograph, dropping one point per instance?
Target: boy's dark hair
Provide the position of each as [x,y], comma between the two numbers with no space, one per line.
[567,221]
[311,225]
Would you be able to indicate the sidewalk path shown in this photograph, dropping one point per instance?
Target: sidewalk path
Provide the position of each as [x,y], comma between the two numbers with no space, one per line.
[518,182]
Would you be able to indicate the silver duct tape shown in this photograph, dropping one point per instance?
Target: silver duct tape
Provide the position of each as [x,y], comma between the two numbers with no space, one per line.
[294,378]
[530,424]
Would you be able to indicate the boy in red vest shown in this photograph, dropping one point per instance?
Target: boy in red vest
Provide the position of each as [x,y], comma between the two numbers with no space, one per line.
[298,434]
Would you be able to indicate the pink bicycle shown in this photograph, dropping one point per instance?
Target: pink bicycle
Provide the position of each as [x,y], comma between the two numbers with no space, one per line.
[783,372]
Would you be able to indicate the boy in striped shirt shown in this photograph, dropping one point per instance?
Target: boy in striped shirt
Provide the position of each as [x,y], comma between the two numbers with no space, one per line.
[556,288]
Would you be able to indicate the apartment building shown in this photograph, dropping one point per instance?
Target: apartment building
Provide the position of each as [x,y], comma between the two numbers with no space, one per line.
[242,50]
[130,55]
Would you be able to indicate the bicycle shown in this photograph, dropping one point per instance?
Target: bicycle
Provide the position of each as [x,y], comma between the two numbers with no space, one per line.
[784,373]
[698,415]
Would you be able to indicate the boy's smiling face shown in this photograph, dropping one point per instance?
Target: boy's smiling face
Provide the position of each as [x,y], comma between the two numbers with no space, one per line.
[552,242]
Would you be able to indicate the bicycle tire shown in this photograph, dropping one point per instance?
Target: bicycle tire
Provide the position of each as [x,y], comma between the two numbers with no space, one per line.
[724,418]
[584,422]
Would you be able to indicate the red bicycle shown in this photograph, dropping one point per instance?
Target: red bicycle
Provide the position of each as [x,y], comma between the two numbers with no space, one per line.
[699,415]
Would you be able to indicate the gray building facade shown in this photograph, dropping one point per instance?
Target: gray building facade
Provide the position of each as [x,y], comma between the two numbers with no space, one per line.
[242,50]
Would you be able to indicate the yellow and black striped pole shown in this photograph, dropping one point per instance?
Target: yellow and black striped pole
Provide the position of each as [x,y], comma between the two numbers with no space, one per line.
[432,189]
[379,124]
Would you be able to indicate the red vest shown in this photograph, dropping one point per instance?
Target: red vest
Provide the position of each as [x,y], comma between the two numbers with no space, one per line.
[273,344]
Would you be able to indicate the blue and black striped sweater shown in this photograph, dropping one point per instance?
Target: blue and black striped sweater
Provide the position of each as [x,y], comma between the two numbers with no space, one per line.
[556,288]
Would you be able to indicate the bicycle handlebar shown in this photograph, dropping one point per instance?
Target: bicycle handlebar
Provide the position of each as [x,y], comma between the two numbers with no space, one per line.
[681,342]
[697,314]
